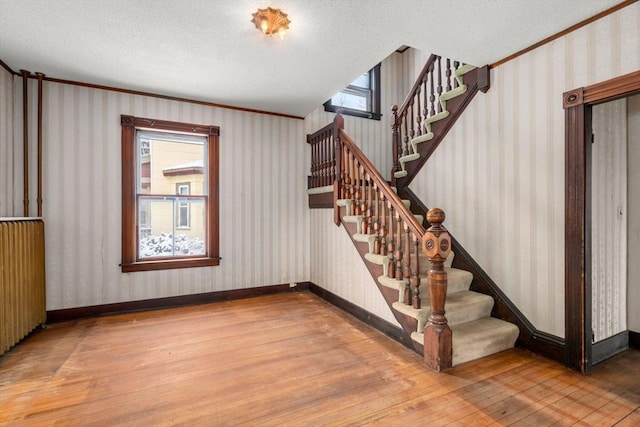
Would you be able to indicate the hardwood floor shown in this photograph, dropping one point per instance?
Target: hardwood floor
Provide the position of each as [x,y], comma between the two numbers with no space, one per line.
[288,359]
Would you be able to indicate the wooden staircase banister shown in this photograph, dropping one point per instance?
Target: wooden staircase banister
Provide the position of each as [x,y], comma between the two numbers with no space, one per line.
[384,187]
[416,85]
[442,90]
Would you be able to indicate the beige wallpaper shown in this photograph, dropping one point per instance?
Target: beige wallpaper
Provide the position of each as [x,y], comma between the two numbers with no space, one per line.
[337,267]
[609,215]
[633,191]
[373,137]
[499,174]
[264,222]
[6,144]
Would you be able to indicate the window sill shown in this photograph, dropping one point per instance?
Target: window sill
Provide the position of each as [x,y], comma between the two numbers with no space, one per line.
[169,264]
[350,112]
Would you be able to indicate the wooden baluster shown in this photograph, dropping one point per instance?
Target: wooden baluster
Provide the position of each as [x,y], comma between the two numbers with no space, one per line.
[436,244]
[432,93]
[456,64]
[448,74]
[398,254]
[352,173]
[405,148]
[364,205]
[439,105]
[323,158]
[412,132]
[377,245]
[370,211]
[395,139]
[418,116]
[335,165]
[358,180]
[345,176]
[407,267]
[391,246]
[327,162]
[415,278]
[425,96]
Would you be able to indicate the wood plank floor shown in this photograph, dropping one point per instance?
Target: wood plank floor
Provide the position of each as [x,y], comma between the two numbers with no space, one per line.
[288,359]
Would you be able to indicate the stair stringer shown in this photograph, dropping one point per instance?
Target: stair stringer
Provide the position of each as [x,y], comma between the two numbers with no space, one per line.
[475,80]
[530,338]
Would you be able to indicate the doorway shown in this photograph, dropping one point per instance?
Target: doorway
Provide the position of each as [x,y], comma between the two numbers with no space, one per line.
[578,105]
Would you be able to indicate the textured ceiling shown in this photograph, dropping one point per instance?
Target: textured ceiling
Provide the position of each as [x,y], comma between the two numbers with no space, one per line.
[210,50]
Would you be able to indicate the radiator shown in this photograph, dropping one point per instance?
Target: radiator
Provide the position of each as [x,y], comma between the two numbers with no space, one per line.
[22,279]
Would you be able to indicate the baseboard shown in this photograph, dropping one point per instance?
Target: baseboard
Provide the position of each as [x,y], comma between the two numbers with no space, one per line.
[531,339]
[55,316]
[602,350]
[389,329]
[634,340]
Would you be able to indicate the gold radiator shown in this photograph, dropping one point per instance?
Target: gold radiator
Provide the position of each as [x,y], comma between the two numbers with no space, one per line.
[22,279]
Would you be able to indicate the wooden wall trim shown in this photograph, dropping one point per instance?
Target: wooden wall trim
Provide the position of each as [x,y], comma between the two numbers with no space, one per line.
[56,316]
[543,343]
[577,104]
[564,32]
[634,340]
[6,67]
[392,331]
[577,314]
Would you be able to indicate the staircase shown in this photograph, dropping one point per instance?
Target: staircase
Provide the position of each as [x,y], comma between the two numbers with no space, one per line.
[440,94]
[475,333]
[447,322]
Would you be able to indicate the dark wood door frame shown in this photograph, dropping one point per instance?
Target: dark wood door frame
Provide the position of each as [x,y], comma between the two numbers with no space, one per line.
[577,104]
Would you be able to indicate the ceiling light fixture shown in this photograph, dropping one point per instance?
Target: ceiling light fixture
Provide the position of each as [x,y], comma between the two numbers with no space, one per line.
[271,21]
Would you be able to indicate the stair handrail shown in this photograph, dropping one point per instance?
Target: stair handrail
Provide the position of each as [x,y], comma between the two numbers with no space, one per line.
[399,113]
[382,184]
[416,85]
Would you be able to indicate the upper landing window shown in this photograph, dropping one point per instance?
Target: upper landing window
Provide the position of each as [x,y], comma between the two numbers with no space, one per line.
[169,195]
[361,98]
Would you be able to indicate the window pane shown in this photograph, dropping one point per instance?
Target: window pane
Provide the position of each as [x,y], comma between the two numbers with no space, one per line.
[170,159]
[350,100]
[362,81]
[164,236]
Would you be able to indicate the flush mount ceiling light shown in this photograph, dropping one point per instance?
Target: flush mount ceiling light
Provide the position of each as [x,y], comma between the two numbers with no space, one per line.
[271,21]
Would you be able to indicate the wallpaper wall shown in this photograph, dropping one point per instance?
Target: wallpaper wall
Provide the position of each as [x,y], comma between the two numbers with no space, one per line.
[264,223]
[6,144]
[499,174]
[633,208]
[337,267]
[609,215]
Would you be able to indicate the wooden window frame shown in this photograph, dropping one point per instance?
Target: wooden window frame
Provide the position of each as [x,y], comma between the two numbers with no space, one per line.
[130,261]
[374,89]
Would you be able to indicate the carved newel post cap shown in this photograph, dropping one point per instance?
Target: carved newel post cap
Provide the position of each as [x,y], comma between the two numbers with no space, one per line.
[394,107]
[435,216]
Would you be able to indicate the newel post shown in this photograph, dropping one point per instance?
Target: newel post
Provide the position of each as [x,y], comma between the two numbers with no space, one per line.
[436,244]
[395,140]
[339,176]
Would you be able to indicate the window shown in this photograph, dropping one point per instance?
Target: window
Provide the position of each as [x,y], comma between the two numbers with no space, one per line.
[169,195]
[361,98]
[182,211]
